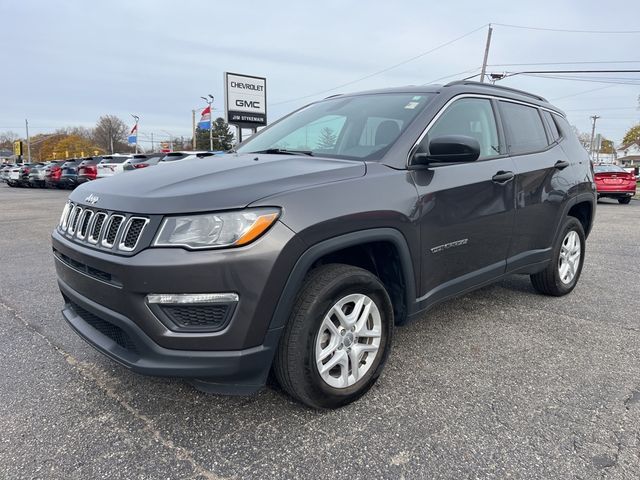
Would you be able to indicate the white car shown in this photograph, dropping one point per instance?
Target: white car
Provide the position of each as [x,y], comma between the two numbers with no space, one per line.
[179,156]
[111,165]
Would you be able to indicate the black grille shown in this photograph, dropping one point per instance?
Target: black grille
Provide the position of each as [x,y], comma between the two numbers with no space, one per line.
[76,217]
[85,222]
[114,225]
[211,317]
[110,330]
[97,226]
[102,229]
[133,233]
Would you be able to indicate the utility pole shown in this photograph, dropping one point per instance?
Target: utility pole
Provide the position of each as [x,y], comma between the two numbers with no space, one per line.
[26,124]
[593,132]
[486,55]
[152,146]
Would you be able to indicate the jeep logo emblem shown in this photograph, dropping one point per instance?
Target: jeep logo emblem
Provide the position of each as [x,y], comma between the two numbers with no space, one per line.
[92,199]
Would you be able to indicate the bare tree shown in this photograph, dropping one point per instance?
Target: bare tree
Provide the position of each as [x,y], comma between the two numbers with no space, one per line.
[82,132]
[7,138]
[110,133]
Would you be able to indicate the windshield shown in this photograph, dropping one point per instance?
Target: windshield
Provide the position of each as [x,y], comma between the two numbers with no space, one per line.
[608,168]
[358,127]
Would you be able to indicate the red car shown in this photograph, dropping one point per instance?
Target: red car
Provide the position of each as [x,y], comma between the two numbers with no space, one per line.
[613,181]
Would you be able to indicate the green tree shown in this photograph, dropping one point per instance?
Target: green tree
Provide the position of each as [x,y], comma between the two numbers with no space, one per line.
[632,135]
[222,136]
[327,139]
[606,146]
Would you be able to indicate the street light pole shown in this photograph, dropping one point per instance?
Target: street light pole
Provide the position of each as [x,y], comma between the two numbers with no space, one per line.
[210,103]
[593,132]
[26,124]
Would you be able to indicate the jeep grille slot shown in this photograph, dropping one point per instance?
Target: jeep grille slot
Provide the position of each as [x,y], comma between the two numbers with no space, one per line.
[96,229]
[112,229]
[132,233]
[84,224]
[73,220]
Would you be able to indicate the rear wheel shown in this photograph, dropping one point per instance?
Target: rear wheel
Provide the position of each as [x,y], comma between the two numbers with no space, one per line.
[338,337]
[624,200]
[562,274]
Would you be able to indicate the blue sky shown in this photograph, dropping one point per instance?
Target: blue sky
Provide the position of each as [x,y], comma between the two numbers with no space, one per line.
[77,60]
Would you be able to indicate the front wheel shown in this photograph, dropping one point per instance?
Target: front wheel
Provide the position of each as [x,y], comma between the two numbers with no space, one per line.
[338,337]
[624,200]
[562,274]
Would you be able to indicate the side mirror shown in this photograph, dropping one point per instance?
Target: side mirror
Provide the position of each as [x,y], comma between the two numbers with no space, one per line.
[449,149]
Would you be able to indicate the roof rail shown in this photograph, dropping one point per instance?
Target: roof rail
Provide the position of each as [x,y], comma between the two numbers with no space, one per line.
[490,85]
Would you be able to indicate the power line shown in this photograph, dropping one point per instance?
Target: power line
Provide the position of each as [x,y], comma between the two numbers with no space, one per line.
[404,62]
[631,81]
[581,93]
[600,108]
[563,30]
[561,63]
[453,75]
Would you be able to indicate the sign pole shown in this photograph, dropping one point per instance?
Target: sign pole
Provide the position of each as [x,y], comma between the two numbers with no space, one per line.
[26,123]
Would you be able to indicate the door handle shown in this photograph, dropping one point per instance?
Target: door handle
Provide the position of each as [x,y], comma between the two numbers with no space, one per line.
[502,176]
[560,164]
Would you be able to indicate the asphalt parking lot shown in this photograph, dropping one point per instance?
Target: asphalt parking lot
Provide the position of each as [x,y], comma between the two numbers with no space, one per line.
[501,383]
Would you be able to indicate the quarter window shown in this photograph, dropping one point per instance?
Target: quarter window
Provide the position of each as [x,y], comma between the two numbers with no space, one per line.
[472,117]
[553,128]
[525,131]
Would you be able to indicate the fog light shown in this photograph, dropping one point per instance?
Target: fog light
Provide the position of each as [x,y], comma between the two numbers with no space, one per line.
[190,298]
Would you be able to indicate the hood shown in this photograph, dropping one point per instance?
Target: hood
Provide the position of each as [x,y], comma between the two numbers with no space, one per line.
[223,182]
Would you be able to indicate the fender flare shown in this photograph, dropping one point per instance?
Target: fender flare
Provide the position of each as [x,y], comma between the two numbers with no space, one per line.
[580,198]
[313,253]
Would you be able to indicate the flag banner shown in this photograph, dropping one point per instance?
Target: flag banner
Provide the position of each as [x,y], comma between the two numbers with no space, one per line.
[205,119]
[133,135]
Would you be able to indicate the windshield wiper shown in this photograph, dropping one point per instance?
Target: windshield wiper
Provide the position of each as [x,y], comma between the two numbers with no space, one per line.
[285,151]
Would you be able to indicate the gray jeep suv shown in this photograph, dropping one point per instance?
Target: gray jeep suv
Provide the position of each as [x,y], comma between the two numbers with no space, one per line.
[299,252]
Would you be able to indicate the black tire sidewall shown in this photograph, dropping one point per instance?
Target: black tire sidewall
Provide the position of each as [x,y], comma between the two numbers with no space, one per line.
[358,282]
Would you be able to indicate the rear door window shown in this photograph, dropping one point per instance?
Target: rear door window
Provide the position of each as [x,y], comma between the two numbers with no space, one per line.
[524,128]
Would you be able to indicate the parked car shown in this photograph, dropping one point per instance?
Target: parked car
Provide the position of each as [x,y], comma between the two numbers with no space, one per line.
[88,169]
[178,156]
[19,175]
[4,171]
[142,160]
[613,181]
[69,174]
[52,174]
[301,261]
[111,165]
[36,175]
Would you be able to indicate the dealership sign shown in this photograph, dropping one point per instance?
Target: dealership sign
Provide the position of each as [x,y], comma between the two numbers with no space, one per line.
[246,100]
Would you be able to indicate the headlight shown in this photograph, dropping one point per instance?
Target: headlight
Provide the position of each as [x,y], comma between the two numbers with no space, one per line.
[215,230]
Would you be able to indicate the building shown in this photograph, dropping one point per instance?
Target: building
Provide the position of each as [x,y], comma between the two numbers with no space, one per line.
[629,154]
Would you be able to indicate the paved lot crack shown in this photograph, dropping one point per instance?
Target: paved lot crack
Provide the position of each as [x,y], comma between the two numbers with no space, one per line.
[99,379]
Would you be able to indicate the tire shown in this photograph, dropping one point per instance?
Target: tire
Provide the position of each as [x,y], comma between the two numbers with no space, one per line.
[625,200]
[308,333]
[556,280]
